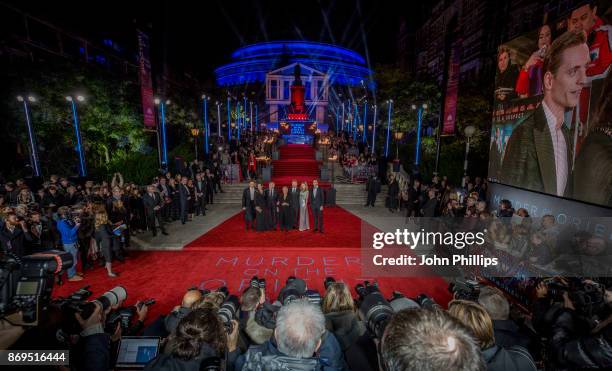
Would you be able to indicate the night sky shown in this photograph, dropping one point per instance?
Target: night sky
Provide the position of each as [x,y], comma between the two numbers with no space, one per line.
[200,35]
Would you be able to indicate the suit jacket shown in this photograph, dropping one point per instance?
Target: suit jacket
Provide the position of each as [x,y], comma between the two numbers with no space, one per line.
[271,199]
[529,161]
[294,198]
[183,193]
[150,202]
[200,187]
[13,242]
[316,201]
[246,198]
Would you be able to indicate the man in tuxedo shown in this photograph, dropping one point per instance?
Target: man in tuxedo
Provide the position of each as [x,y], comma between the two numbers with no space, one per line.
[200,191]
[540,150]
[184,198]
[294,202]
[164,192]
[316,205]
[153,204]
[248,205]
[271,205]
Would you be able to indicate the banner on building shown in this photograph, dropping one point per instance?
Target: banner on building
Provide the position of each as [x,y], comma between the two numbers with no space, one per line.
[452,89]
[146,84]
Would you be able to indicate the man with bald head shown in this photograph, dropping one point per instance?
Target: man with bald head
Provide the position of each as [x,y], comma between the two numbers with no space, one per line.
[172,319]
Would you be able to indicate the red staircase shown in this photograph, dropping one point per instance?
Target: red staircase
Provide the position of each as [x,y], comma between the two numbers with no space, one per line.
[297,161]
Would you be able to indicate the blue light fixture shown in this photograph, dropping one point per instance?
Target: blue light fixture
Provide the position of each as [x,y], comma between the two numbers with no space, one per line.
[390,104]
[229,120]
[205,100]
[374,130]
[355,123]
[417,156]
[365,115]
[164,144]
[75,117]
[33,150]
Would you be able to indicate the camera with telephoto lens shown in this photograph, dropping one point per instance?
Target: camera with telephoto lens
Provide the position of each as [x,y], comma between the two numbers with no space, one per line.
[258,283]
[375,310]
[26,283]
[123,316]
[464,289]
[229,309]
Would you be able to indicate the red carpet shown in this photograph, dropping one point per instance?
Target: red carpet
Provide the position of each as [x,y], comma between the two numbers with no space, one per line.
[297,161]
[228,255]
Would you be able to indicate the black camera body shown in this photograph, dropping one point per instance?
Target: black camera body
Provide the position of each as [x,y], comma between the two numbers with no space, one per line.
[465,289]
[28,282]
[123,316]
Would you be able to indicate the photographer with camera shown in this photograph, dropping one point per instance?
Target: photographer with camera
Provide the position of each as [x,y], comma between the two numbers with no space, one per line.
[478,321]
[93,350]
[297,344]
[576,317]
[13,234]
[199,342]
[68,229]
[340,315]
[507,333]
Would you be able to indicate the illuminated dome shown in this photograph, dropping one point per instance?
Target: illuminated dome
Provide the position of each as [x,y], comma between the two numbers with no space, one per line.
[251,63]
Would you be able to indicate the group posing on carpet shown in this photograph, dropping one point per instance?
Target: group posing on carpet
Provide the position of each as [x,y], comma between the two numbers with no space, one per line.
[289,208]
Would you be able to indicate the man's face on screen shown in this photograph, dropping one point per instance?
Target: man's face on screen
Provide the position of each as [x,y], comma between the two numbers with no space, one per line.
[582,19]
[569,79]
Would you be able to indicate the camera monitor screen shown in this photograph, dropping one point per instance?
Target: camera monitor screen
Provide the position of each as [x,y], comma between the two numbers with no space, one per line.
[137,351]
[551,118]
[27,288]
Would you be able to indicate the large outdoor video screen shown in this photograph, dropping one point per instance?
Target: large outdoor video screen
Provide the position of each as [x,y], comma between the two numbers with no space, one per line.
[552,129]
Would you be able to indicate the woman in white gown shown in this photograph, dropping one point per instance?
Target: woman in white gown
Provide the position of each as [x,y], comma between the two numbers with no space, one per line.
[304,220]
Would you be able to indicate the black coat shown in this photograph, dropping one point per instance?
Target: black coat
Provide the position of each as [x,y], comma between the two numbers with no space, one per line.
[14,242]
[170,363]
[271,200]
[151,202]
[316,201]
[345,326]
[248,204]
[183,194]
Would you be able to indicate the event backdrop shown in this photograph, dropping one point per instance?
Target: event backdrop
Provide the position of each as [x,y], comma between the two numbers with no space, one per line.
[518,97]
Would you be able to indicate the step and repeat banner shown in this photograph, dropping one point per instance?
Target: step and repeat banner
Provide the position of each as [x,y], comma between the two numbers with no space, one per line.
[552,118]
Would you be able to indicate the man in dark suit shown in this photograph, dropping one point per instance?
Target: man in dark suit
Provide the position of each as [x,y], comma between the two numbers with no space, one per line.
[373,187]
[152,204]
[271,205]
[316,205]
[248,205]
[294,197]
[184,198]
[210,184]
[200,190]
[539,153]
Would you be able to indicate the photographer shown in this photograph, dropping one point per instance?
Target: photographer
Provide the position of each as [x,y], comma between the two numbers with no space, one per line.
[200,338]
[340,316]
[68,231]
[93,349]
[298,342]
[13,235]
[578,322]
[507,333]
[179,312]
[428,340]
[251,303]
[478,321]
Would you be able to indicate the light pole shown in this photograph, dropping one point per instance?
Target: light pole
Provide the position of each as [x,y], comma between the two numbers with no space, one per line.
[389,104]
[398,136]
[256,118]
[420,109]
[374,130]
[218,118]
[205,100]
[469,132]
[229,120]
[365,115]
[251,112]
[342,115]
[77,130]
[33,150]
[164,145]
[194,133]
[355,122]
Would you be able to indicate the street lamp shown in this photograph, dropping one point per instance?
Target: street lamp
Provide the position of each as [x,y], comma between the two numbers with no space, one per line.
[420,109]
[194,133]
[390,105]
[398,136]
[469,132]
[75,117]
[205,100]
[162,113]
[33,150]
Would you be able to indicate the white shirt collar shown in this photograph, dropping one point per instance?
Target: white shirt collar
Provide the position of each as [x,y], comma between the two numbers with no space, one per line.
[551,119]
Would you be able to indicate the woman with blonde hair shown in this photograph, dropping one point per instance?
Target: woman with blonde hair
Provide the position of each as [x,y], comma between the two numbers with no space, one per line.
[304,218]
[105,240]
[340,316]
